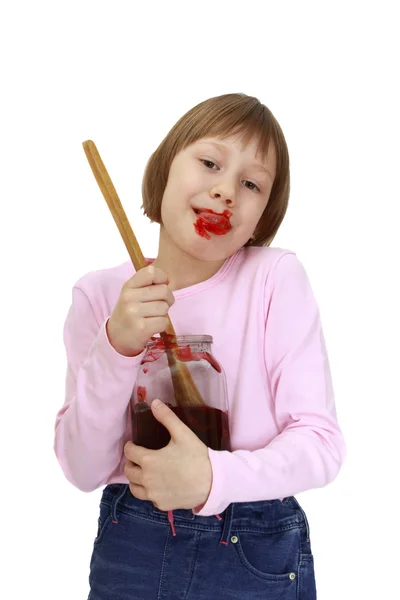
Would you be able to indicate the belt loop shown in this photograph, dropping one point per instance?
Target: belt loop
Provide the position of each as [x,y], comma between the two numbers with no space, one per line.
[226,531]
[115,501]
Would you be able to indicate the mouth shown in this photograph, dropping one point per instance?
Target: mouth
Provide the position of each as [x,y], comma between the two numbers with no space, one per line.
[210,221]
[206,212]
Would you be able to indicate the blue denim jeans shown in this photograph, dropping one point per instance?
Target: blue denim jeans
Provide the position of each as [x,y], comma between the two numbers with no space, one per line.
[254,551]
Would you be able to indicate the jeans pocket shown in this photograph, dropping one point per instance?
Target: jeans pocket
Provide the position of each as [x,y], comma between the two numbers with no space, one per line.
[273,556]
[103,522]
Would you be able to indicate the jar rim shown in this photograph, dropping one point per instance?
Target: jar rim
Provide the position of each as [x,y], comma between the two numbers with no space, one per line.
[182,340]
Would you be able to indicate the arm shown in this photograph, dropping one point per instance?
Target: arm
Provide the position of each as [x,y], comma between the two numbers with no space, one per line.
[310,449]
[90,427]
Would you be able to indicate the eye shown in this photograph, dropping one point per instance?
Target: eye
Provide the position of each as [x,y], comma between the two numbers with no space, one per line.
[209,162]
[255,187]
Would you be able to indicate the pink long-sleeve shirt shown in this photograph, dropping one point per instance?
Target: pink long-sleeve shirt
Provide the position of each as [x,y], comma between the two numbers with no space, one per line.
[262,314]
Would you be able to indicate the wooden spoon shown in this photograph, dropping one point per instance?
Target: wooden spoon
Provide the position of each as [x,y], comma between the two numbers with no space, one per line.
[185,389]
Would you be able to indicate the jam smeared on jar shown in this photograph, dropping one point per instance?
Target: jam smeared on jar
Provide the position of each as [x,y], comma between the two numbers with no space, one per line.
[211,425]
[142,393]
[208,420]
[212,222]
[182,353]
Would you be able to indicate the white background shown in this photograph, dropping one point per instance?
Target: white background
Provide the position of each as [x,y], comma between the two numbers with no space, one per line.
[121,73]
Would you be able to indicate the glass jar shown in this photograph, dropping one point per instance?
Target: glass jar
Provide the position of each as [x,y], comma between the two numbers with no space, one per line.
[209,420]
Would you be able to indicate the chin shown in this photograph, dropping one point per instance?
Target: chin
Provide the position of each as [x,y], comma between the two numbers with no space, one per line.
[214,250]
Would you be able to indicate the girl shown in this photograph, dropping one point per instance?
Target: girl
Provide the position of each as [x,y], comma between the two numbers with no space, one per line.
[218,185]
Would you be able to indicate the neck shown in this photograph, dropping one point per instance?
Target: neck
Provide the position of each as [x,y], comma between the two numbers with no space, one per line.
[182,269]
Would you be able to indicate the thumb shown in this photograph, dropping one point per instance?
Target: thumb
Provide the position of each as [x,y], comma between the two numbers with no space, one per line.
[168,418]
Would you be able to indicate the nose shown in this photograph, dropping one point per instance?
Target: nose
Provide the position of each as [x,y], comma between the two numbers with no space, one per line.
[217,193]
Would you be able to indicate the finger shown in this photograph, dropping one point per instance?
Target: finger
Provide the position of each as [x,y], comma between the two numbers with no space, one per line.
[138,491]
[156,324]
[154,292]
[167,417]
[149,293]
[158,308]
[147,276]
[133,473]
[135,453]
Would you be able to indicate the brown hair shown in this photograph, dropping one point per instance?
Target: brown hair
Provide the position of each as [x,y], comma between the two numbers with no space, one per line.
[225,115]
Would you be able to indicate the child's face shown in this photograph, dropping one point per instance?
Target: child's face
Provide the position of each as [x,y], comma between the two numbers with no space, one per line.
[223,177]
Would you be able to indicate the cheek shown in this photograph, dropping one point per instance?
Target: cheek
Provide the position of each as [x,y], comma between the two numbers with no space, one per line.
[189,185]
[251,212]
[173,205]
[179,193]
[260,208]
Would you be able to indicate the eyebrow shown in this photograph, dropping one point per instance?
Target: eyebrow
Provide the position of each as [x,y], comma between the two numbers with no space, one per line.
[224,148]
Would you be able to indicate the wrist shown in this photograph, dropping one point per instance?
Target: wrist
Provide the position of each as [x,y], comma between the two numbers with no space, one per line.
[123,351]
[207,485]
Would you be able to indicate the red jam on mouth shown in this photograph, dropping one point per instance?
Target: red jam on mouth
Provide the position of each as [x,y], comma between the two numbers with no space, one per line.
[211,222]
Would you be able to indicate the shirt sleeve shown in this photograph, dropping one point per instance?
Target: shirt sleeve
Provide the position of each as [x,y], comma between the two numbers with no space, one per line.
[310,449]
[90,427]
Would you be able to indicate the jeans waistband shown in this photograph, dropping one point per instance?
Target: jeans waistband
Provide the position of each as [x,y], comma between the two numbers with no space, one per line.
[259,516]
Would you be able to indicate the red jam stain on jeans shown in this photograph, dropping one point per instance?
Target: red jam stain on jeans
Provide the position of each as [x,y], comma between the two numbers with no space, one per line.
[216,223]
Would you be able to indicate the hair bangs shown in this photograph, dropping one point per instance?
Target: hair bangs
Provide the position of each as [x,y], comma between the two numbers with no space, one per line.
[242,118]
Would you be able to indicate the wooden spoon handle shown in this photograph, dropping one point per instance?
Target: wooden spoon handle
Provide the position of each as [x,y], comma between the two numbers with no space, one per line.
[114,204]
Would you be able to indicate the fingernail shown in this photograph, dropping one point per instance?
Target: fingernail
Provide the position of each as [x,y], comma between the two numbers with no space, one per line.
[156,403]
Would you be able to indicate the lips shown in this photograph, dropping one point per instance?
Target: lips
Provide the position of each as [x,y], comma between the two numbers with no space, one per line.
[212,222]
[213,217]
